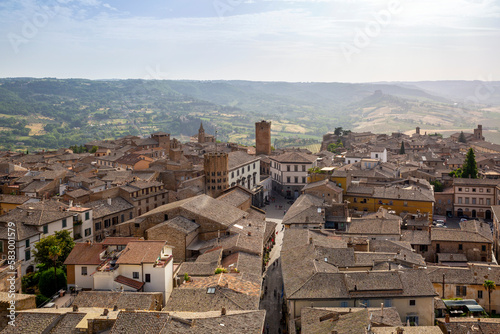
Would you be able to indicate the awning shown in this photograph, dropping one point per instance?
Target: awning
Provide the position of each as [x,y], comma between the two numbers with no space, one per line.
[474,308]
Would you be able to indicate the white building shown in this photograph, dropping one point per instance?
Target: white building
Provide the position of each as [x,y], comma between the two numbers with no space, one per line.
[34,221]
[122,264]
[289,172]
[379,153]
[243,169]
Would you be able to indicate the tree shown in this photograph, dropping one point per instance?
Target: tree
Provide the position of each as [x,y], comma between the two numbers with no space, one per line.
[489,286]
[94,149]
[54,253]
[338,131]
[402,149]
[44,253]
[461,138]
[48,286]
[438,186]
[456,173]
[469,169]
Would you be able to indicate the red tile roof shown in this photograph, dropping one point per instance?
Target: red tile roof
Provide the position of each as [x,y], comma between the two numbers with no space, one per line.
[129,282]
[143,251]
[118,241]
[85,253]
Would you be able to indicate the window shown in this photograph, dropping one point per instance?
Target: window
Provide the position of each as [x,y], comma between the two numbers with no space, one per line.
[64,223]
[412,319]
[459,189]
[1,246]
[466,200]
[405,204]
[460,247]
[473,200]
[413,302]
[460,200]
[45,229]
[84,271]
[344,304]
[296,168]
[488,201]
[387,303]
[461,290]
[355,200]
[488,190]
[483,248]
[365,303]
[232,174]
[123,218]
[466,190]
[210,290]
[480,294]
[473,190]
[107,223]
[480,190]
[27,255]
[88,231]
[87,215]
[287,168]
[27,243]
[130,215]
[137,225]
[135,274]
[303,168]
[288,179]
[253,165]
[296,179]
[148,278]
[303,179]
[97,226]
[423,248]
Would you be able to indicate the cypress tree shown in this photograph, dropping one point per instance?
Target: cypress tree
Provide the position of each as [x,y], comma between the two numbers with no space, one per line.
[461,138]
[402,149]
[469,168]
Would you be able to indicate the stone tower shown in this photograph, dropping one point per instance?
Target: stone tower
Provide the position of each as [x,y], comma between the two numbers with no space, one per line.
[478,133]
[162,138]
[216,173]
[417,130]
[263,138]
[201,134]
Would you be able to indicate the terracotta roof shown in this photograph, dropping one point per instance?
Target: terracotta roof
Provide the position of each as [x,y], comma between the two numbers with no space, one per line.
[138,252]
[129,282]
[13,199]
[140,322]
[85,253]
[294,157]
[123,300]
[118,241]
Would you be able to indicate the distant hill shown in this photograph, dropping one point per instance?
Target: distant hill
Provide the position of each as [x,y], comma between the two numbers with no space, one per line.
[51,113]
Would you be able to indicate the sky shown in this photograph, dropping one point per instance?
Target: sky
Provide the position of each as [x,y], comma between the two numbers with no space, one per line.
[261,40]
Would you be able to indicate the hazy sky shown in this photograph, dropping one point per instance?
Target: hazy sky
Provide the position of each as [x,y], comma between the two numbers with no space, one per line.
[302,40]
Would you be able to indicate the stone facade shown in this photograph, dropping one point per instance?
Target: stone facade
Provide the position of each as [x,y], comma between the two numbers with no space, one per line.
[263,138]
[216,173]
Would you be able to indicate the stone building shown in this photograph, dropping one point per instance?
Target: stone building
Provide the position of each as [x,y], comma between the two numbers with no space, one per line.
[216,173]
[263,138]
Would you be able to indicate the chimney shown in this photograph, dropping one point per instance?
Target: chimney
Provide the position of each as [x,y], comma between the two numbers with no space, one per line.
[70,203]
[109,201]
[105,312]
[447,319]
[381,310]
[115,308]
[75,308]
[310,240]
[223,311]
[399,330]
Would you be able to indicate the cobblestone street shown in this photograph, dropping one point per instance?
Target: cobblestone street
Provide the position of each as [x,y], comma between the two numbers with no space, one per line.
[273,280]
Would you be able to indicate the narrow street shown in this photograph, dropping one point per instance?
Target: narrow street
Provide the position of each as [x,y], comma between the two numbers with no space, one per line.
[273,281]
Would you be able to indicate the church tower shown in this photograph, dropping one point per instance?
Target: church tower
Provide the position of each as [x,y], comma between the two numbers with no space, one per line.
[216,171]
[201,134]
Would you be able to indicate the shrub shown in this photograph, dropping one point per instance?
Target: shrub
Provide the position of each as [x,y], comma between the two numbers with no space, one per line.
[40,299]
[186,277]
[30,280]
[220,270]
[47,284]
